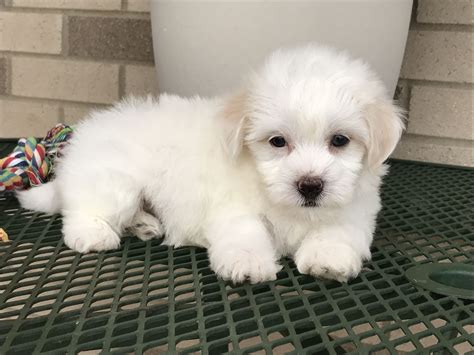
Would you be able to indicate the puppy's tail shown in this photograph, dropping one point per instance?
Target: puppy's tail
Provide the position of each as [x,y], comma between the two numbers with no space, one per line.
[43,198]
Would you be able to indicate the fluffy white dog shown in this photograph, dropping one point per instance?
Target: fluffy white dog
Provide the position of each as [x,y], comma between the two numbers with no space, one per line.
[291,165]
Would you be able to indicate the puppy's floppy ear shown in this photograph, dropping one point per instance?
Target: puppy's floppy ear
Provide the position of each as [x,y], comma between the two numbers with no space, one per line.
[234,116]
[386,124]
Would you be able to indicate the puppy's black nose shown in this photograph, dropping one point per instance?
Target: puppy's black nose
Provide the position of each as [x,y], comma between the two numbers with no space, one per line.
[310,187]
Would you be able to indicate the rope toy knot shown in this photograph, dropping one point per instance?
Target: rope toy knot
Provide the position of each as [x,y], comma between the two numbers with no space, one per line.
[31,162]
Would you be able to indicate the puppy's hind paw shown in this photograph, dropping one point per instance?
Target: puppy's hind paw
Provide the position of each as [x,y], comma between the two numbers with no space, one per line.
[244,265]
[146,226]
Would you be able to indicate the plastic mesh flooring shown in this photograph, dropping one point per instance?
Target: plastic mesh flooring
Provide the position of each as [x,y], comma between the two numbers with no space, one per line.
[147,298]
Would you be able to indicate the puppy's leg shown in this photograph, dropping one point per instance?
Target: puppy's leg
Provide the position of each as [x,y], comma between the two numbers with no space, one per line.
[94,215]
[334,252]
[146,226]
[241,249]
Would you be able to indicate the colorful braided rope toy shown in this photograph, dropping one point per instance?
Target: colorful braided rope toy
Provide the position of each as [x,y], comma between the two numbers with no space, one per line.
[31,162]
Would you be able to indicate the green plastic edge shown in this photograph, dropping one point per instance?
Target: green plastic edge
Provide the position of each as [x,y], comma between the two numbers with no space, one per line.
[420,276]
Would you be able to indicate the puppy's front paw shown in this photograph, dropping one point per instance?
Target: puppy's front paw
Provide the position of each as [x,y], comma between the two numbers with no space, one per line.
[89,234]
[240,265]
[329,260]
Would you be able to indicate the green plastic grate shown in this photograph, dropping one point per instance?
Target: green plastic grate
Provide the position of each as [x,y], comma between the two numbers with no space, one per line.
[148,298]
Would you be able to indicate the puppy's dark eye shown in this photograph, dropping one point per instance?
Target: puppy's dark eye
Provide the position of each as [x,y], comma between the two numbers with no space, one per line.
[339,140]
[278,141]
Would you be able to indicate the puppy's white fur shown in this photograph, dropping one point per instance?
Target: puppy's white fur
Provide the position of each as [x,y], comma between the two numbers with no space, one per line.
[211,178]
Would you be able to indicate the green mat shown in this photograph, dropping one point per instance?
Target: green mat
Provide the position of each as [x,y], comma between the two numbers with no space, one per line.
[147,298]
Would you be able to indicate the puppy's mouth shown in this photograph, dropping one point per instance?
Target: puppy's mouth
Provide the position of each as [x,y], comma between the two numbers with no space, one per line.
[310,203]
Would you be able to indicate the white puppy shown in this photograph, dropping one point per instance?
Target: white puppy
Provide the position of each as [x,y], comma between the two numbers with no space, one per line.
[291,165]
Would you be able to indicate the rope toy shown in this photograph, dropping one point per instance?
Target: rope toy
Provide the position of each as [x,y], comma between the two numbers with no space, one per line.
[31,162]
[3,236]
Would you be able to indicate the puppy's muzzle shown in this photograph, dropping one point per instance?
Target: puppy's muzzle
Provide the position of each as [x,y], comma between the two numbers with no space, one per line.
[310,188]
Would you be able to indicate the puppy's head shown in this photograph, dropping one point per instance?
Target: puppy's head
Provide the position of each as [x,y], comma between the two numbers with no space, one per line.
[313,120]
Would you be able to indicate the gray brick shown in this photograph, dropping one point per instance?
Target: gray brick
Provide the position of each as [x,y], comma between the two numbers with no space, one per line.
[138,5]
[110,38]
[441,112]
[71,4]
[445,11]
[435,150]
[75,113]
[20,118]
[83,81]
[438,55]
[140,80]
[3,75]
[31,32]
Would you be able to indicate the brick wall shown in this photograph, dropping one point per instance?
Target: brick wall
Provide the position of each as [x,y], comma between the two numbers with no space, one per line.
[436,83]
[60,58]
